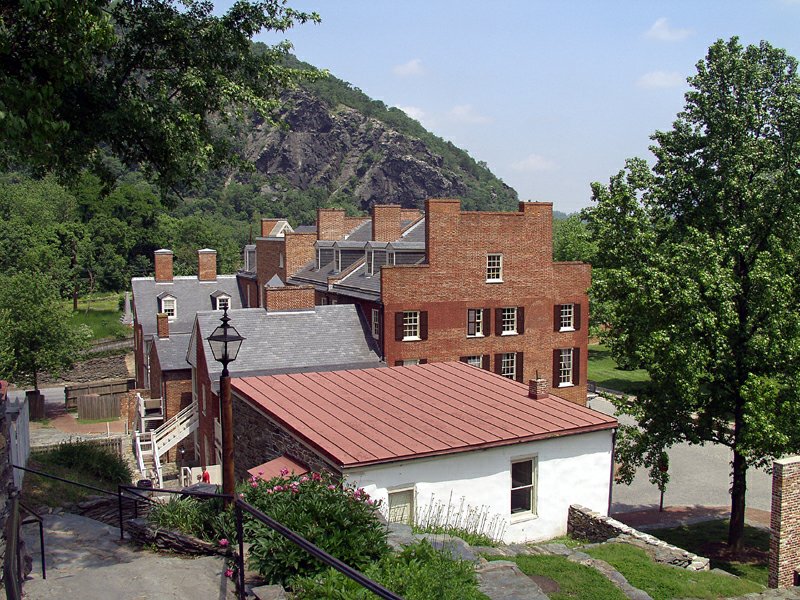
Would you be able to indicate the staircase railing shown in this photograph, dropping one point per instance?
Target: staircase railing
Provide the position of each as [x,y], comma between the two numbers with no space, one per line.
[176,428]
[156,462]
[139,457]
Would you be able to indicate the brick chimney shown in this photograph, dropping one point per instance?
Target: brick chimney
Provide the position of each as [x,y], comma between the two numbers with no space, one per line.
[330,224]
[537,388]
[386,222]
[163,263]
[289,297]
[207,265]
[162,325]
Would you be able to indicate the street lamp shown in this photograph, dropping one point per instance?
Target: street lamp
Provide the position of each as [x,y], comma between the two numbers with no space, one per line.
[225,342]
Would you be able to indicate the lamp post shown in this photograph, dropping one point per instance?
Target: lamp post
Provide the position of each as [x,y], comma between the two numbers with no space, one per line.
[225,342]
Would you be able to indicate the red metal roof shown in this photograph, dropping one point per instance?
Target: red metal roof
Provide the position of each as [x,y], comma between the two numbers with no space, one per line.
[369,416]
[272,468]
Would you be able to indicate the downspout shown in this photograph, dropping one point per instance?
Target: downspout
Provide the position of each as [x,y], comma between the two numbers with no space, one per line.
[611,474]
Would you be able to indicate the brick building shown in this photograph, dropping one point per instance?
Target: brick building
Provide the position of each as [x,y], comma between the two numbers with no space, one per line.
[480,287]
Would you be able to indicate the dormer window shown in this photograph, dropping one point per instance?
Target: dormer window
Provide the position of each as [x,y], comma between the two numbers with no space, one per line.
[337,258]
[168,305]
[370,263]
[220,300]
[390,258]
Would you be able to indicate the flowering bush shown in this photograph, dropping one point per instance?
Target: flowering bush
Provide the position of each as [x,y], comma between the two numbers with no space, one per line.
[340,519]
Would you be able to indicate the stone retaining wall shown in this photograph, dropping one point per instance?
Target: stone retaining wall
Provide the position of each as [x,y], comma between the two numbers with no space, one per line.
[145,533]
[586,524]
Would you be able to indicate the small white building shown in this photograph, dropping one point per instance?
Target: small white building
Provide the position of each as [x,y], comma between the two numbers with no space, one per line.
[427,437]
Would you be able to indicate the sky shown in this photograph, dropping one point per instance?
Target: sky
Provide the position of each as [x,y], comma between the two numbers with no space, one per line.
[551,95]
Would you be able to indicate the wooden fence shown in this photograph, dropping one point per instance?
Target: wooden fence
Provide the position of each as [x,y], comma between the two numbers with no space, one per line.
[95,407]
[104,388]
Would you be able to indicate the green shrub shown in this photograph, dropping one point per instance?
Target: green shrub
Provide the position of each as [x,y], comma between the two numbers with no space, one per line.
[419,572]
[90,459]
[338,518]
[206,519]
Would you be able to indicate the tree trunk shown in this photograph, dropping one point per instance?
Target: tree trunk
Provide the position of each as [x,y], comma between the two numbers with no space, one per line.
[738,491]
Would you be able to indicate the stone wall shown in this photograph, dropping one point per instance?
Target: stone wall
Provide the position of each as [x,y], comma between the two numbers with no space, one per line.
[586,524]
[784,542]
[257,439]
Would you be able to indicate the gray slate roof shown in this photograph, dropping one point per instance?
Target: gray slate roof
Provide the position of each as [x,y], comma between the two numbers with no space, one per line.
[324,339]
[191,297]
[172,351]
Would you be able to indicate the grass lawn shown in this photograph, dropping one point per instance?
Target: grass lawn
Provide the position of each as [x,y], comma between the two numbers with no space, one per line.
[577,582]
[603,370]
[95,421]
[43,491]
[708,539]
[102,314]
[663,582]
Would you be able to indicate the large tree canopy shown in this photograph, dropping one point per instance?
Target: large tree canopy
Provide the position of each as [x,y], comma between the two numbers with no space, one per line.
[700,277]
[159,82]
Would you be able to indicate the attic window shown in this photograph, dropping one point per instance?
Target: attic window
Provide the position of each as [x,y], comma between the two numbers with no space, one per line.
[223,303]
[169,306]
[370,263]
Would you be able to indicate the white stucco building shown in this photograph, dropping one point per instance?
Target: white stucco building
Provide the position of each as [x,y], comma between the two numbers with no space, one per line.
[428,436]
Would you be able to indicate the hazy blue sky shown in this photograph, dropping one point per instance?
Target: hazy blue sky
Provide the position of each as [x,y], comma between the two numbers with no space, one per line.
[552,95]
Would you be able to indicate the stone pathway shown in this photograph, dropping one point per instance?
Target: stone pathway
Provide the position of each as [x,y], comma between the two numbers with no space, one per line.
[86,560]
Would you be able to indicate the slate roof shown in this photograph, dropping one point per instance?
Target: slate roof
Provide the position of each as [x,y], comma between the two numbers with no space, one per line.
[191,296]
[172,351]
[326,338]
[372,416]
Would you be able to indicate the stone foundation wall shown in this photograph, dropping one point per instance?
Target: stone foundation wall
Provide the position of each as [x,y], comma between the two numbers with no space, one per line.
[147,534]
[257,439]
[586,524]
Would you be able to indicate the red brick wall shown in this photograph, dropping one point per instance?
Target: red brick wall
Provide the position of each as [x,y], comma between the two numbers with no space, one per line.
[207,265]
[298,251]
[205,431]
[163,265]
[784,543]
[267,225]
[455,280]
[177,396]
[138,354]
[162,325]
[289,298]
[386,222]
[268,253]
[330,224]
[249,289]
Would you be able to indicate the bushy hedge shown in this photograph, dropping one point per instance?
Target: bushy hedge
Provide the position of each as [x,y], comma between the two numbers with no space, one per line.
[205,519]
[93,460]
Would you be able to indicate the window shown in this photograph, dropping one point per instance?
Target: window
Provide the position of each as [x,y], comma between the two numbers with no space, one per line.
[523,487]
[376,323]
[280,260]
[390,258]
[370,263]
[337,257]
[565,367]
[170,307]
[508,365]
[475,322]
[401,506]
[411,361]
[475,361]
[494,268]
[567,321]
[223,303]
[509,321]
[411,325]
[319,258]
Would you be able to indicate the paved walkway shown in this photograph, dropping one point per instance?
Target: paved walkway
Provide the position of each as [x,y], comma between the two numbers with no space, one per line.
[87,561]
[674,516]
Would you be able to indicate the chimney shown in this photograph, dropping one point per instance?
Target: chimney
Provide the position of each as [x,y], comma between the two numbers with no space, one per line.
[206,265]
[163,263]
[289,297]
[162,325]
[537,388]
[330,224]
[386,222]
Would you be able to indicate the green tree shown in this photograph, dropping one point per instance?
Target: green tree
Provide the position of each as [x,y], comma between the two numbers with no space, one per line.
[701,268]
[36,334]
[572,240]
[159,82]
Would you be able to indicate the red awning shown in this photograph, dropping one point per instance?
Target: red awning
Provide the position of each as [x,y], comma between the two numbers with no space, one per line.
[272,468]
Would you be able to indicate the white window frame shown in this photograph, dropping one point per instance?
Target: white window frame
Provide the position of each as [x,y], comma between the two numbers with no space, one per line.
[376,323]
[337,259]
[477,321]
[280,260]
[370,263]
[475,361]
[494,268]
[173,308]
[411,325]
[508,365]
[223,298]
[533,511]
[390,258]
[410,362]
[567,319]
[566,367]
[404,490]
[508,320]
[319,258]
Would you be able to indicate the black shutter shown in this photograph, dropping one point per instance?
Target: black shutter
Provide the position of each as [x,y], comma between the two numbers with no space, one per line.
[520,367]
[498,364]
[557,317]
[398,326]
[423,325]
[487,322]
[576,316]
[556,368]
[498,321]
[423,361]
[471,321]
[398,363]
[520,319]
[486,359]
[576,366]
[463,359]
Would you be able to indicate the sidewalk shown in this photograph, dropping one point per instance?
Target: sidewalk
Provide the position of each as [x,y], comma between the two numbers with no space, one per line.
[675,516]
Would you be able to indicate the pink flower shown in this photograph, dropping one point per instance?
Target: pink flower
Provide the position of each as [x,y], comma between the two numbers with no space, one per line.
[241,495]
[284,472]
[316,477]
[331,487]
[370,501]
[270,492]
[228,572]
[254,484]
[303,479]
[224,542]
[278,488]
[261,472]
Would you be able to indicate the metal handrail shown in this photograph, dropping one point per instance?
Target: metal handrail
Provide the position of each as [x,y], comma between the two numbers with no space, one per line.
[37,518]
[12,577]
